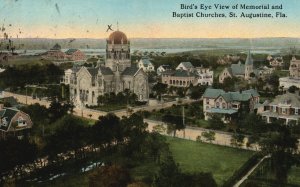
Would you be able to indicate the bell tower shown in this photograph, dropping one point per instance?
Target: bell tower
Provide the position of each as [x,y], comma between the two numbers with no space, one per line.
[117,51]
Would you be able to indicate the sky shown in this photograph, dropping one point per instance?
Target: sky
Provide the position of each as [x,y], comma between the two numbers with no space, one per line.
[141,19]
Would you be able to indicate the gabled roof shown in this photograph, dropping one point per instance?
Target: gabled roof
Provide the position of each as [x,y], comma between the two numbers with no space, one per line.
[105,70]
[188,65]
[230,96]
[288,98]
[237,69]
[212,93]
[93,71]
[7,113]
[71,51]
[251,91]
[130,71]
[146,61]
[56,47]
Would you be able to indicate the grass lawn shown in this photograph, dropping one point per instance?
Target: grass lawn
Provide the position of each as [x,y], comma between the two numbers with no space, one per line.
[26,60]
[219,160]
[192,157]
[294,176]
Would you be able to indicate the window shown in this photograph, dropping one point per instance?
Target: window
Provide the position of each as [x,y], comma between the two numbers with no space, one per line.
[4,121]
[223,105]
[207,101]
[218,105]
[21,122]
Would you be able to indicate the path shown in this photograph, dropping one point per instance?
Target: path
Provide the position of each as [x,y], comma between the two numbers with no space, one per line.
[250,172]
[90,113]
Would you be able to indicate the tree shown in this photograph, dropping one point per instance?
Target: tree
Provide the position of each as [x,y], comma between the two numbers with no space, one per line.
[237,140]
[208,135]
[169,174]
[110,176]
[292,89]
[107,130]
[281,145]
[155,145]
[228,84]
[12,148]
[159,89]
[71,132]
[174,122]
[215,122]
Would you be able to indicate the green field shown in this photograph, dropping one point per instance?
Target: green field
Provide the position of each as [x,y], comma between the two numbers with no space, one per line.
[219,160]
[26,60]
[192,156]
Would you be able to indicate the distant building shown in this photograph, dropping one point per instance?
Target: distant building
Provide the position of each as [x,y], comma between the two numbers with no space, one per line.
[204,76]
[245,71]
[75,55]
[146,65]
[162,68]
[294,78]
[13,122]
[186,74]
[217,101]
[55,53]
[284,107]
[275,61]
[187,66]
[178,78]
[238,70]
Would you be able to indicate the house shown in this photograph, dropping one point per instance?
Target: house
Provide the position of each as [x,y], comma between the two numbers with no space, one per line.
[204,76]
[264,72]
[54,53]
[162,68]
[275,61]
[178,78]
[75,55]
[146,65]
[217,101]
[294,78]
[14,122]
[284,107]
[187,66]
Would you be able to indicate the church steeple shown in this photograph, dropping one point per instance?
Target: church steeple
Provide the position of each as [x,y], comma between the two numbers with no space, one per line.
[248,66]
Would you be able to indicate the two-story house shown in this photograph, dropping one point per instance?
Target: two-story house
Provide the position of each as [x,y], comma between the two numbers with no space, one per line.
[146,65]
[217,101]
[13,122]
[284,107]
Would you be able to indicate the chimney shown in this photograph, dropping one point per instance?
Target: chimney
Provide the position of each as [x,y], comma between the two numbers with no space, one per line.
[1,106]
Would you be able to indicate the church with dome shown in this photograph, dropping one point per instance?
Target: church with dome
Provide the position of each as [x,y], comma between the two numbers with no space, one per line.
[116,75]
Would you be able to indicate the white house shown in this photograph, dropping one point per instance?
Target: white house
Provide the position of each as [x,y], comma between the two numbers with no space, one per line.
[294,78]
[146,65]
[162,68]
[204,76]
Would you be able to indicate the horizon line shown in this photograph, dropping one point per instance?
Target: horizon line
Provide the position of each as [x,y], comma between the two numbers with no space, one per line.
[267,37]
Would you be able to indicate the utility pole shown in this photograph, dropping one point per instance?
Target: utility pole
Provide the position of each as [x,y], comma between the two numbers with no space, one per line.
[26,95]
[183,121]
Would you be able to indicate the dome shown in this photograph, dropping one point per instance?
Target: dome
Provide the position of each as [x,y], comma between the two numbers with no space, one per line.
[117,37]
